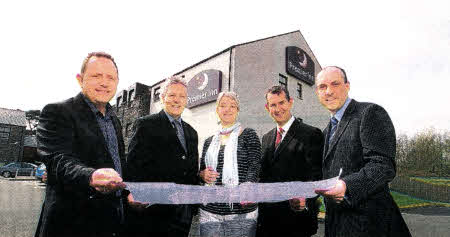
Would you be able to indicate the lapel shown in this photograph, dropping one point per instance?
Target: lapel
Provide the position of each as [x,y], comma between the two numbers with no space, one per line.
[326,134]
[120,144]
[287,139]
[270,144]
[187,137]
[92,123]
[171,131]
[340,129]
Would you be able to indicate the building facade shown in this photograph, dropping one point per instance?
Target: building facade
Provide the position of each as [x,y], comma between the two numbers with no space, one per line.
[248,69]
[12,131]
[30,149]
[131,104]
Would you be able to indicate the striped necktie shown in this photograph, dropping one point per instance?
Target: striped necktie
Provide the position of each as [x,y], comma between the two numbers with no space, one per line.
[280,132]
[180,133]
[334,123]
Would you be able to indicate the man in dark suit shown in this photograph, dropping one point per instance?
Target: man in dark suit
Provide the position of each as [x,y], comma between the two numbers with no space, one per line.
[164,149]
[360,139]
[291,152]
[80,142]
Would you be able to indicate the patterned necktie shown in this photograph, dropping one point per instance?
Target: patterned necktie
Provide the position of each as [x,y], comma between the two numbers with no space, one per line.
[334,123]
[279,136]
[180,133]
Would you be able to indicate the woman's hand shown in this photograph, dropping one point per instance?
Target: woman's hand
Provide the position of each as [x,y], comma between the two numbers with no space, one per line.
[208,175]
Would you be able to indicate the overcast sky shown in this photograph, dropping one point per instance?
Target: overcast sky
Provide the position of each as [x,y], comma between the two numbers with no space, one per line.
[396,53]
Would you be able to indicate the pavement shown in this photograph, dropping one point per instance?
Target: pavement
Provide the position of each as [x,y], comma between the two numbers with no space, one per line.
[20,206]
[433,221]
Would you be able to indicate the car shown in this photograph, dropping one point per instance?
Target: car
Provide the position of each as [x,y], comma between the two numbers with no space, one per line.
[40,172]
[18,168]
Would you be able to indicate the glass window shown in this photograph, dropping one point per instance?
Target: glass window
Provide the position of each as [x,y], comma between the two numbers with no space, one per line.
[4,137]
[131,95]
[25,165]
[299,91]
[283,80]
[118,102]
[156,94]
[128,129]
[5,129]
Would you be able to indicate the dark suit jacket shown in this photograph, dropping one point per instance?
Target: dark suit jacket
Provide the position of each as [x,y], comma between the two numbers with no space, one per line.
[156,155]
[72,147]
[364,147]
[298,158]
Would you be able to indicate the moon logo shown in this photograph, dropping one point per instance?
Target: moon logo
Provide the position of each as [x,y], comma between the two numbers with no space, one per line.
[304,63]
[205,82]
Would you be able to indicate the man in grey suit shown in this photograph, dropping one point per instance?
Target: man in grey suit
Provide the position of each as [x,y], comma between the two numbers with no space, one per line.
[360,139]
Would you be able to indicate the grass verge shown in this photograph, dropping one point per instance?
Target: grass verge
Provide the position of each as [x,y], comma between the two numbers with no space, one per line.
[404,201]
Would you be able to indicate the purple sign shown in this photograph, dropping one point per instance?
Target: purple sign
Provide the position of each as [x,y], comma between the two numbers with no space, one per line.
[204,87]
[299,64]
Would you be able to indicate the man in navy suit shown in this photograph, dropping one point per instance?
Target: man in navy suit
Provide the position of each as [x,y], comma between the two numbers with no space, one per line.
[164,149]
[291,151]
[360,139]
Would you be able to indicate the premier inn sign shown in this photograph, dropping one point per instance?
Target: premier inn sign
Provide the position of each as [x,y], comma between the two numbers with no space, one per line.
[299,64]
[204,87]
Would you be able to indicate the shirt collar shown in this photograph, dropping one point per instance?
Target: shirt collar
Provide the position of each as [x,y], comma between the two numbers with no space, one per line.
[286,126]
[340,113]
[171,119]
[94,109]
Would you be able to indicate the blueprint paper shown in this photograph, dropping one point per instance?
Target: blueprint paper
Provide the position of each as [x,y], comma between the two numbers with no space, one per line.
[171,193]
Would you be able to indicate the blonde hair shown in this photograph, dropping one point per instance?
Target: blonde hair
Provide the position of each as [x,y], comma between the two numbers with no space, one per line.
[231,95]
[171,81]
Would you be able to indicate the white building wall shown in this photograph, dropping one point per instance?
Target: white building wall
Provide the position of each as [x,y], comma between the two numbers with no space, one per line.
[254,68]
[257,67]
[203,118]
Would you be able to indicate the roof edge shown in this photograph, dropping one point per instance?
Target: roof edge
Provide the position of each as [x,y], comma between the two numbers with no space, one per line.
[230,48]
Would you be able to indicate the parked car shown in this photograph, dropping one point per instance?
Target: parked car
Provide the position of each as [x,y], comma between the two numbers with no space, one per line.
[19,168]
[40,172]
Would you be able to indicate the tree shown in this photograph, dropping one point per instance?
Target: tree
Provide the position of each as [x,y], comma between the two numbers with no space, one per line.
[32,117]
[424,154]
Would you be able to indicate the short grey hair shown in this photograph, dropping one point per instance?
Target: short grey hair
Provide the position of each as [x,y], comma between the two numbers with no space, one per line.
[171,81]
[229,94]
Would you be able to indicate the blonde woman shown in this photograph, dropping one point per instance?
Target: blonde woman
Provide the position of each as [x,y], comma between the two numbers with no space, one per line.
[230,157]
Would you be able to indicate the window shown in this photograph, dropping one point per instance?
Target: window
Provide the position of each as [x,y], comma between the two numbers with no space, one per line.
[25,165]
[14,165]
[283,80]
[118,102]
[299,91]
[128,129]
[130,97]
[156,94]
[4,135]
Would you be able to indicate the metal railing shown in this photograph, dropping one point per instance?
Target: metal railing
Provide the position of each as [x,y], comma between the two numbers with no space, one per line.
[427,191]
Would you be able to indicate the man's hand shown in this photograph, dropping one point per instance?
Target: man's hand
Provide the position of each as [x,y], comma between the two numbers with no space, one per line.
[208,175]
[139,206]
[297,204]
[336,193]
[106,180]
